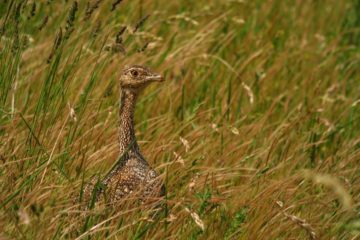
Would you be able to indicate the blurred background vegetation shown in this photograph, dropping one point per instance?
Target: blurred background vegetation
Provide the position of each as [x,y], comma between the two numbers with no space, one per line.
[256,131]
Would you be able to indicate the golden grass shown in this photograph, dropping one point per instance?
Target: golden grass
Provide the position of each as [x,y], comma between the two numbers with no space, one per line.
[256,130]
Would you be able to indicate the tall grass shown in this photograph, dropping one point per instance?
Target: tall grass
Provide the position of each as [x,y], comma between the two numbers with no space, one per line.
[256,131]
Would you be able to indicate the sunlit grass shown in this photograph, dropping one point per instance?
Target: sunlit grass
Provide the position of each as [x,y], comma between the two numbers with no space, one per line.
[256,130]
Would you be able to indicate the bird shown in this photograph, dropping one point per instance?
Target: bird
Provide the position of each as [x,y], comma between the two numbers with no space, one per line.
[131,174]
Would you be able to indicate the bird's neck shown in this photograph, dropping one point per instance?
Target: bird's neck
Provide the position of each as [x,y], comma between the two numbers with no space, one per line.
[128,143]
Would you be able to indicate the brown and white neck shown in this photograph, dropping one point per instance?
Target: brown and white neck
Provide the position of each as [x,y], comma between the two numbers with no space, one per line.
[128,143]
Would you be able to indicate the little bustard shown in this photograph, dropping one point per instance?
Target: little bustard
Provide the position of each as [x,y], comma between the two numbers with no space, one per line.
[131,174]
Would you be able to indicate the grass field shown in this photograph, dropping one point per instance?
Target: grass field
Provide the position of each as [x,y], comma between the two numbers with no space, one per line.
[256,130]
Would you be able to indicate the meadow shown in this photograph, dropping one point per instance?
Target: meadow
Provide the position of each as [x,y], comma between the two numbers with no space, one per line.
[256,130]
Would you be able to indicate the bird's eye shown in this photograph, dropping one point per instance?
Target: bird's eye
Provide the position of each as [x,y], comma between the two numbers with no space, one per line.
[134,73]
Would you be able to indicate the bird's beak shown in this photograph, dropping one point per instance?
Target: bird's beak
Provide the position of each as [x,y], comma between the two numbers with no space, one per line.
[155,78]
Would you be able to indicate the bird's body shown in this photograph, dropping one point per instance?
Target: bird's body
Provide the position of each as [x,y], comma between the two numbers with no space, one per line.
[131,174]
[134,176]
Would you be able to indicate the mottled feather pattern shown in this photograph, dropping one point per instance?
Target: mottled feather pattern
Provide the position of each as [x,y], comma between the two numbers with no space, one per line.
[132,175]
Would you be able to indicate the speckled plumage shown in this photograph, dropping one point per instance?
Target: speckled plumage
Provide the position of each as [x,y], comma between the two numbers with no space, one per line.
[131,174]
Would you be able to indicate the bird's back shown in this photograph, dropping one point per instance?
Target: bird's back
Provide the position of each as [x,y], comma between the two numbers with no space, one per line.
[131,177]
[135,176]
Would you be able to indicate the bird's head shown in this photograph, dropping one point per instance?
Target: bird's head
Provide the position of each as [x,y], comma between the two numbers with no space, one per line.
[138,77]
